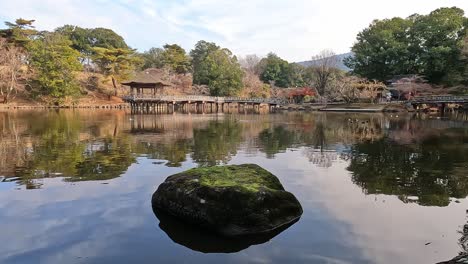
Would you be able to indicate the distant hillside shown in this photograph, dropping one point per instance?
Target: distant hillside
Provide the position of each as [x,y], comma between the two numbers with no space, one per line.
[341,65]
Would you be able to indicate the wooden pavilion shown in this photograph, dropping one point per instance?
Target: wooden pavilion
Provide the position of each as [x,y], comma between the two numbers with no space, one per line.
[148,82]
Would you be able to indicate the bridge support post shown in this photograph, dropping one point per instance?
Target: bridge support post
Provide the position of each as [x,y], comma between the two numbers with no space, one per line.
[442,108]
[145,104]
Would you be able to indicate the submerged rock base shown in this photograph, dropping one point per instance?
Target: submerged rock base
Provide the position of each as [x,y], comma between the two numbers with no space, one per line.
[200,239]
[231,200]
[462,259]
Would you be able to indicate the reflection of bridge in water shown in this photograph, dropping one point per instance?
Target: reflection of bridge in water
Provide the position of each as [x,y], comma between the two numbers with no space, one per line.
[153,103]
[150,103]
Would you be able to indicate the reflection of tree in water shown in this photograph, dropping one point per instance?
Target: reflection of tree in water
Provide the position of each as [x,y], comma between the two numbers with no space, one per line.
[321,158]
[52,150]
[417,166]
[14,147]
[433,170]
[109,161]
[216,143]
[175,153]
[279,138]
[319,139]
[78,161]
[62,146]
[276,140]
[462,257]
[368,129]
[212,144]
[428,166]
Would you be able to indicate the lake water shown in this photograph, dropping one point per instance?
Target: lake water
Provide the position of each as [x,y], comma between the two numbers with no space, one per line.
[76,186]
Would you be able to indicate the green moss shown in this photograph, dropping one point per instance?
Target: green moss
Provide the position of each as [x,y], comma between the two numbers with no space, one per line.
[250,177]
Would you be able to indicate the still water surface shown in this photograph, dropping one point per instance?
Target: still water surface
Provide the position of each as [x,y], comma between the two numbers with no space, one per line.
[76,186]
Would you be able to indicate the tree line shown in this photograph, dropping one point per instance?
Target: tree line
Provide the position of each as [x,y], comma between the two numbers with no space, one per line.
[46,63]
[434,46]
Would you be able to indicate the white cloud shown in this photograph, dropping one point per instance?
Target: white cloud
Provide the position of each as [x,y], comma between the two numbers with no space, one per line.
[294,29]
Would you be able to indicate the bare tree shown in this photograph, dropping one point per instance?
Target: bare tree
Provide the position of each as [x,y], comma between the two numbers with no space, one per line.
[411,85]
[249,63]
[10,69]
[372,88]
[275,92]
[344,88]
[253,86]
[325,65]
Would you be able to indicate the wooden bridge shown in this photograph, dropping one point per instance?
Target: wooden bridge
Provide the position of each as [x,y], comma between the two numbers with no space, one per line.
[439,99]
[151,103]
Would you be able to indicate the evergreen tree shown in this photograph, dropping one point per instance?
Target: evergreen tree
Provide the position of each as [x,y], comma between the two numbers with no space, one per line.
[225,73]
[19,33]
[217,68]
[85,40]
[427,45]
[118,64]
[464,60]
[176,58]
[153,58]
[199,53]
[54,63]
[275,69]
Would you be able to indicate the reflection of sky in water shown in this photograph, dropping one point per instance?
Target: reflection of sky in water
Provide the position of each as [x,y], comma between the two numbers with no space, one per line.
[90,222]
[95,223]
[7,185]
[111,221]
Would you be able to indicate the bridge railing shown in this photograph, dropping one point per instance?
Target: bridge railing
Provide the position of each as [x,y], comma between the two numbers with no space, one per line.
[440,98]
[201,98]
[170,97]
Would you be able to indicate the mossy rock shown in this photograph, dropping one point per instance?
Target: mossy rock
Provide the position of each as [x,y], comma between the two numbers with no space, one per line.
[232,200]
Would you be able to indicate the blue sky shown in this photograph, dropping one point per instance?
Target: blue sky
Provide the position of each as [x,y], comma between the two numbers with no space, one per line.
[294,29]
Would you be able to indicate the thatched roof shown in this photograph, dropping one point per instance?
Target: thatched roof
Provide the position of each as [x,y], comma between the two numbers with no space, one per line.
[150,77]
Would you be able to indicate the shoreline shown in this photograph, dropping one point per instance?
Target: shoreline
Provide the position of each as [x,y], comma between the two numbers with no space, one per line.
[337,108]
[352,110]
[121,106]
[347,108]
[108,106]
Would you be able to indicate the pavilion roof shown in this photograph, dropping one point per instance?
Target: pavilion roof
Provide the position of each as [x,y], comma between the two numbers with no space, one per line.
[150,76]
